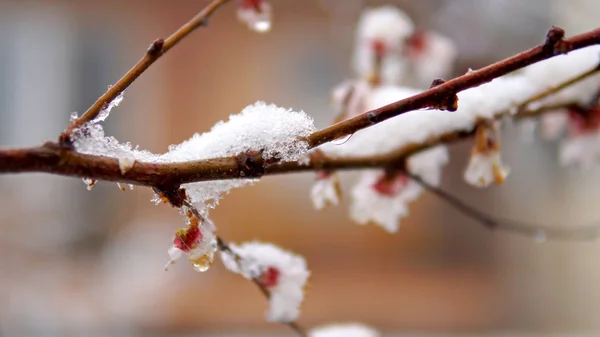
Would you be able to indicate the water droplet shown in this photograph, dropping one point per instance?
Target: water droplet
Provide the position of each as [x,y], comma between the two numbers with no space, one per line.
[202,263]
[341,140]
[540,236]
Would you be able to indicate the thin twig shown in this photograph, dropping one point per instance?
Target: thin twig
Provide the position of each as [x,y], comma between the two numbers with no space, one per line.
[158,48]
[535,231]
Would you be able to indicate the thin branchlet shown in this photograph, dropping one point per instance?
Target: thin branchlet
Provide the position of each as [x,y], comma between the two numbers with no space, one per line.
[534,231]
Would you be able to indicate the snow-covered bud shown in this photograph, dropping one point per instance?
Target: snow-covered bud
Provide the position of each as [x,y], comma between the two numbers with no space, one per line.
[485,166]
[326,191]
[256,14]
[282,273]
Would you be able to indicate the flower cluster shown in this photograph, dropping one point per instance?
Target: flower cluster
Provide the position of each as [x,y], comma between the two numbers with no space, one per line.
[390,56]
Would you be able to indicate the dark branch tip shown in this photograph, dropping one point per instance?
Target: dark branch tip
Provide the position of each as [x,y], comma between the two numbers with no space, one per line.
[555,43]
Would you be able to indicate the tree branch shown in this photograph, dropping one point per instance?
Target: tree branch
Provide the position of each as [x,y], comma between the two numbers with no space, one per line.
[158,48]
[554,45]
[63,160]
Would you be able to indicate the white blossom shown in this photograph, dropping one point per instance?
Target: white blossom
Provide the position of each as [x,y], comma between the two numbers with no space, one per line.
[382,201]
[344,330]
[485,165]
[380,34]
[485,169]
[326,190]
[282,273]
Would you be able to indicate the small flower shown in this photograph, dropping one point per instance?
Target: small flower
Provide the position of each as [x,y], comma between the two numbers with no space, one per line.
[383,198]
[282,273]
[485,166]
[344,330]
[326,191]
[197,241]
[380,34]
[256,14]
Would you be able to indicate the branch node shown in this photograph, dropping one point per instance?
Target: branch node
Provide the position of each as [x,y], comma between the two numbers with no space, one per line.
[555,43]
[156,47]
[447,102]
[250,164]
[372,117]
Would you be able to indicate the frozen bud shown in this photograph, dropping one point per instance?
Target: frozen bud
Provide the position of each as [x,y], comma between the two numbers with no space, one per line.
[485,166]
[256,14]
[326,191]
[282,273]
[344,330]
[197,241]
[383,198]
[350,99]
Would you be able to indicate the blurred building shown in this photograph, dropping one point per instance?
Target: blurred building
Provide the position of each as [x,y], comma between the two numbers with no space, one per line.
[78,262]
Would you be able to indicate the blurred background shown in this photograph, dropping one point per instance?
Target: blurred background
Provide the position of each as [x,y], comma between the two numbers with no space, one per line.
[75,262]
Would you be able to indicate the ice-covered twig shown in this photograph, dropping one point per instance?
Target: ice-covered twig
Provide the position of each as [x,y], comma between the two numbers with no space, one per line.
[158,48]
